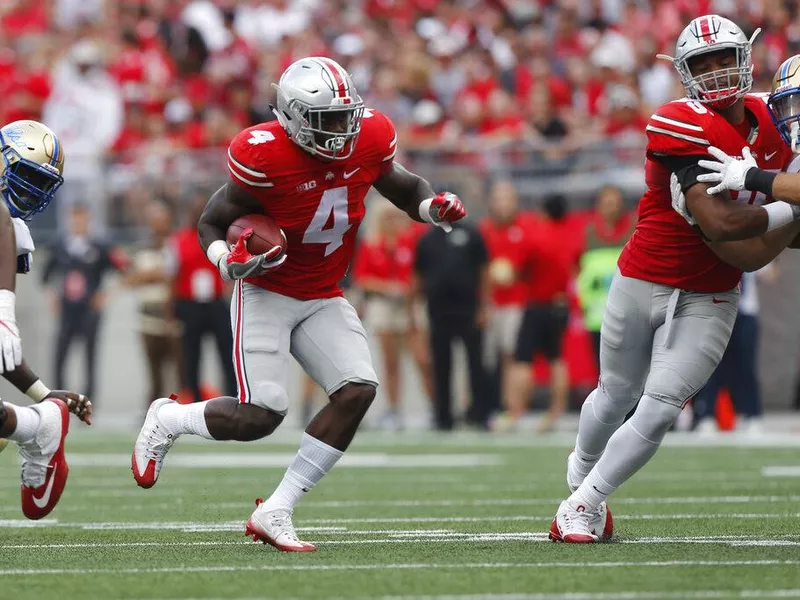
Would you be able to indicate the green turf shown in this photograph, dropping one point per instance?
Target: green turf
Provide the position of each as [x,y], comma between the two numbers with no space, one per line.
[698,522]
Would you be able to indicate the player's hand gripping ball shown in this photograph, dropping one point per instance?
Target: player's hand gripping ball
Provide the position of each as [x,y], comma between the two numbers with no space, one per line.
[257,245]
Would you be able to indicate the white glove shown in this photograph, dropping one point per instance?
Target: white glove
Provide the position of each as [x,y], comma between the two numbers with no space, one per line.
[679,200]
[10,342]
[729,172]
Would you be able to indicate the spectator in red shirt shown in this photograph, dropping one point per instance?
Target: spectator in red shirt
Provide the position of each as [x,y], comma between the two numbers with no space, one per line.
[547,272]
[382,270]
[506,232]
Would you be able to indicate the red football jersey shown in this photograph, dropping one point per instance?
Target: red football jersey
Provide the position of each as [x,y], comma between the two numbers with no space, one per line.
[509,244]
[664,248]
[318,204]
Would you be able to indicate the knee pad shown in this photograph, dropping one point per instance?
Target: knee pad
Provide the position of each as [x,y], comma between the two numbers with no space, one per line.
[653,418]
[271,396]
[610,409]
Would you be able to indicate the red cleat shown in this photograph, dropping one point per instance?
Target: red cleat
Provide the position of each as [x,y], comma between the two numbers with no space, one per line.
[44,467]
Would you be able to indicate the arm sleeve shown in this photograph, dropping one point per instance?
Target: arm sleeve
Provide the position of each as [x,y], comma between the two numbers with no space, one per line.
[685,168]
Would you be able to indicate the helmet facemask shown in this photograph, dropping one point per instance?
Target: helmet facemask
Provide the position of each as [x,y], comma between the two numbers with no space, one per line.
[719,88]
[330,132]
[27,187]
[784,108]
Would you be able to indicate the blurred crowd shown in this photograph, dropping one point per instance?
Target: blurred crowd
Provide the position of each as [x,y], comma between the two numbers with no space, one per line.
[146,94]
[144,78]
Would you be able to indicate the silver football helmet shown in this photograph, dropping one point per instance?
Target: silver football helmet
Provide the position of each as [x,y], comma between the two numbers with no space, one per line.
[711,33]
[319,107]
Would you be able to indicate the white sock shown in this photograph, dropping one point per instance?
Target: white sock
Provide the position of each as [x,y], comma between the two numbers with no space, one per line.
[185,418]
[628,451]
[313,461]
[599,419]
[27,423]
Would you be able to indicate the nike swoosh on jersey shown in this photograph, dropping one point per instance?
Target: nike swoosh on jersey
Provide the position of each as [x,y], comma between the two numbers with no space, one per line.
[768,156]
[347,175]
[42,502]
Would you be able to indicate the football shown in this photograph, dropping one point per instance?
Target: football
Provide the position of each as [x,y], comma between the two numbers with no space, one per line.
[266,233]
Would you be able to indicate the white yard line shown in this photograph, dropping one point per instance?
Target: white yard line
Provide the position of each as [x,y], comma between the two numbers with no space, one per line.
[405,566]
[687,595]
[248,460]
[236,525]
[781,471]
[424,503]
[421,537]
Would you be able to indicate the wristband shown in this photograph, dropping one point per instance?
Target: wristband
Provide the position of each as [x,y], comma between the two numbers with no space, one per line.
[780,214]
[216,250]
[7,305]
[425,210]
[38,391]
[759,180]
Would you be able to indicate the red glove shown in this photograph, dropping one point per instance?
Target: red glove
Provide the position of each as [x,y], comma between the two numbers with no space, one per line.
[443,209]
[239,263]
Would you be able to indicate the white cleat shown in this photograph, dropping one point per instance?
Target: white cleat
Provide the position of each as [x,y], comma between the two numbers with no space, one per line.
[602,522]
[274,527]
[151,446]
[572,525]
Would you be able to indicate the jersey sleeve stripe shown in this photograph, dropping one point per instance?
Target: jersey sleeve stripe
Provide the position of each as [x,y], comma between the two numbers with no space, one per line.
[262,184]
[394,141]
[674,123]
[391,156]
[680,136]
[243,169]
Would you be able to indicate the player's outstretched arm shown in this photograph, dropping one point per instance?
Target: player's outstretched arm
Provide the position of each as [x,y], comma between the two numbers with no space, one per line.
[734,173]
[26,381]
[414,195]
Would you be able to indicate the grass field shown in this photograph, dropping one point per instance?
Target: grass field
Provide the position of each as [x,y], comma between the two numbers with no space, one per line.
[413,516]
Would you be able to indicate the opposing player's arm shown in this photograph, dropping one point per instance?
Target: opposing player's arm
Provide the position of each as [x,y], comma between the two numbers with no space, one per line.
[28,382]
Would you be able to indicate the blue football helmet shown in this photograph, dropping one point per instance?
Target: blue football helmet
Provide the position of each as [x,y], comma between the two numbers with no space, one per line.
[32,167]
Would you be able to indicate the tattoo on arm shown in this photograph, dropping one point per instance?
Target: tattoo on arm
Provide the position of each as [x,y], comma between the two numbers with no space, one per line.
[404,189]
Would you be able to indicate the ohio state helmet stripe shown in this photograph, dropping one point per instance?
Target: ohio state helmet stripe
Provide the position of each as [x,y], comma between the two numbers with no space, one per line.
[680,136]
[674,123]
[706,30]
[338,78]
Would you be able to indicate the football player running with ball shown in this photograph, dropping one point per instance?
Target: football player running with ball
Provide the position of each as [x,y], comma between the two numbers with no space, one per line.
[310,171]
[30,174]
[673,301]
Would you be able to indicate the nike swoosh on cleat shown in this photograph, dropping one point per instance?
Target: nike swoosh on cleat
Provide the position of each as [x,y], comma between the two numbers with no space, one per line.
[42,502]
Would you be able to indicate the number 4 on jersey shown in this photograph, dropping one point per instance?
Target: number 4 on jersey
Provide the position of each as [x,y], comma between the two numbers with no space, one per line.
[331,212]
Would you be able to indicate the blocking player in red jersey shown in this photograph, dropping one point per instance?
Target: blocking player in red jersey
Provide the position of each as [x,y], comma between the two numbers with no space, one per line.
[673,301]
[309,170]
